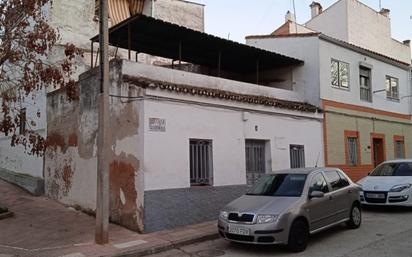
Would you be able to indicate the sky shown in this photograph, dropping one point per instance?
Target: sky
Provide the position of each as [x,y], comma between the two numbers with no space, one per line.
[235,19]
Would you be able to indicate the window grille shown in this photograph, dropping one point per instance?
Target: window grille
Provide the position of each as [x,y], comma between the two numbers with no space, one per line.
[353,151]
[399,149]
[201,162]
[297,156]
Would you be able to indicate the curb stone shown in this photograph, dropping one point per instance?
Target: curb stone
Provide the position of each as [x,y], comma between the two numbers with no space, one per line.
[167,246]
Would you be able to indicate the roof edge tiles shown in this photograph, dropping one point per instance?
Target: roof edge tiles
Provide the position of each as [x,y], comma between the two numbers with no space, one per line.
[220,94]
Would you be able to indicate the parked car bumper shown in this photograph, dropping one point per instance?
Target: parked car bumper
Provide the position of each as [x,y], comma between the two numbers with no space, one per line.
[391,199]
[270,233]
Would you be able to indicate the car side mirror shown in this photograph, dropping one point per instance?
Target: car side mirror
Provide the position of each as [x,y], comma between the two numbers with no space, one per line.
[316,194]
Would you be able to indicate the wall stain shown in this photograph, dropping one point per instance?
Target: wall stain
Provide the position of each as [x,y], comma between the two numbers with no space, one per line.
[55,140]
[73,125]
[122,177]
[72,140]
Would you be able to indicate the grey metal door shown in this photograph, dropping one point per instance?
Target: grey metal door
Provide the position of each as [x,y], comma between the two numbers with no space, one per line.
[255,160]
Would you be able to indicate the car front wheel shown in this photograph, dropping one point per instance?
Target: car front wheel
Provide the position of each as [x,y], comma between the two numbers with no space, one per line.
[355,217]
[298,236]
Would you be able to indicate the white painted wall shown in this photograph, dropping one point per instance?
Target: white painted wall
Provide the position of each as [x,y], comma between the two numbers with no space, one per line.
[15,158]
[372,30]
[305,77]
[315,74]
[359,24]
[166,154]
[190,14]
[166,163]
[379,72]
[333,21]
[193,79]
[74,20]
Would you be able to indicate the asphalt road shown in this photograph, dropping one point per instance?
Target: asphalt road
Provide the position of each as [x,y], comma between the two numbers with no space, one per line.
[384,232]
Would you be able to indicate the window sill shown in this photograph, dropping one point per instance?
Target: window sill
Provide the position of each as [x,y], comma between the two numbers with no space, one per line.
[341,88]
[200,186]
[366,101]
[397,100]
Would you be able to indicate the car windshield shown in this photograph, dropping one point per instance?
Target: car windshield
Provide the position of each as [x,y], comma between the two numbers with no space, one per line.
[289,185]
[400,169]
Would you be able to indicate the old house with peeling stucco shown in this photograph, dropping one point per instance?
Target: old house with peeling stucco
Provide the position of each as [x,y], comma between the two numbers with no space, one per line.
[189,134]
[76,22]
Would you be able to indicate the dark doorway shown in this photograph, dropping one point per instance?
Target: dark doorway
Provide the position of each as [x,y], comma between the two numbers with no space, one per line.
[378,151]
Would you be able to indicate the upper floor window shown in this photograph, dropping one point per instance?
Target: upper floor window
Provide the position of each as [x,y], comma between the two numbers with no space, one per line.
[392,88]
[365,84]
[340,74]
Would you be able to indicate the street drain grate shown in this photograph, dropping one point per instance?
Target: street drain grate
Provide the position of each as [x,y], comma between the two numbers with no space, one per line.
[210,253]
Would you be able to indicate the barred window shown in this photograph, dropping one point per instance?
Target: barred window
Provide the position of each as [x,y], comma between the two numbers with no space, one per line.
[392,88]
[365,84]
[340,74]
[353,157]
[399,149]
[297,156]
[201,162]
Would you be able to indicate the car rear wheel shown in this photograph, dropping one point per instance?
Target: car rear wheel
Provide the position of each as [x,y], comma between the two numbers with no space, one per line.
[355,217]
[298,236]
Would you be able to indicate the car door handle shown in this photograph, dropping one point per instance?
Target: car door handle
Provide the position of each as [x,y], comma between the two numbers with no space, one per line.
[330,197]
[349,191]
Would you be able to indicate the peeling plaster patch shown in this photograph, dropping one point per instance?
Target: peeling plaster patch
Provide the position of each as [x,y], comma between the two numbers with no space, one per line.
[122,179]
[122,197]
[73,140]
[67,176]
[55,140]
[126,145]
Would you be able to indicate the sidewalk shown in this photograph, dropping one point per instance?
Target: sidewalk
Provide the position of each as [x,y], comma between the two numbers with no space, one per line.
[43,227]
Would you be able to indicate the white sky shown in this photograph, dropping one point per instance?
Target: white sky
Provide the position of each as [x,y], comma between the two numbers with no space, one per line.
[238,18]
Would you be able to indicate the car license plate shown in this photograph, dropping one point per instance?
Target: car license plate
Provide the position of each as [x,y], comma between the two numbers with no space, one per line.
[375,196]
[238,230]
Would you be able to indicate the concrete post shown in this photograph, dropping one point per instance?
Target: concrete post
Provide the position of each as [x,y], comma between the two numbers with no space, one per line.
[104,136]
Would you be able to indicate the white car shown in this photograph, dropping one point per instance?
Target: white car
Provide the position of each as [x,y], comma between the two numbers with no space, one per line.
[388,184]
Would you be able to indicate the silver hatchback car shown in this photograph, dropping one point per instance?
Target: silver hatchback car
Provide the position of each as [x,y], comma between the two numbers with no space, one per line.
[287,206]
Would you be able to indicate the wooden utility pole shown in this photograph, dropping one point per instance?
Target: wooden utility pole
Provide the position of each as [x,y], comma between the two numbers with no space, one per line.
[104,136]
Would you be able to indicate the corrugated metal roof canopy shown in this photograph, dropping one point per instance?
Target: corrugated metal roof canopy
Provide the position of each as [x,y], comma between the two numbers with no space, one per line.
[164,39]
